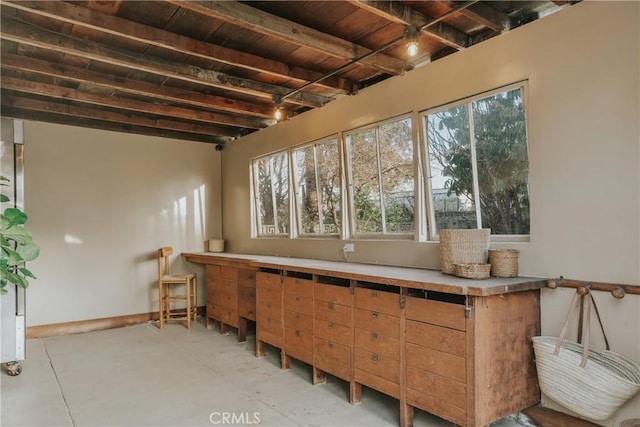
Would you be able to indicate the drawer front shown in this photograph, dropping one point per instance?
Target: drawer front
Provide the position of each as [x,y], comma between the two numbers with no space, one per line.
[228,290]
[266,295]
[331,293]
[333,312]
[436,313]
[444,364]
[380,301]
[269,321]
[273,339]
[299,343]
[246,277]
[435,337]
[298,303]
[247,302]
[268,281]
[230,273]
[376,321]
[297,286]
[377,382]
[229,316]
[333,332]
[299,321]
[213,311]
[445,389]
[378,344]
[377,364]
[332,357]
[436,406]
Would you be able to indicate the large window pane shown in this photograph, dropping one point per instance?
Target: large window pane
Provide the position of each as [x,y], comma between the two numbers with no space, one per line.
[503,167]
[365,180]
[271,184]
[317,171]
[450,168]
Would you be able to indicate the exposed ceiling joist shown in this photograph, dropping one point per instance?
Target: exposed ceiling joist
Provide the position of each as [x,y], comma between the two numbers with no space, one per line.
[487,16]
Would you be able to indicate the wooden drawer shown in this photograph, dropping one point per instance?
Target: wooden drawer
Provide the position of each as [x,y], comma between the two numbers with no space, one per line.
[436,312]
[297,286]
[270,321]
[333,332]
[376,321]
[228,289]
[380,301]
[333,312]
[377,364]
[273,339]
[435,361]
[331,293]
[377,382]
[378,344]
[229,316]
[247,277]
[213,311]
[435,337]
[445,389]
[298,303]
[332,357]
[247,302]
[268,281]
[437,406]
[298,321]
[214,277]
[230,273]
[298,342]
[266,295]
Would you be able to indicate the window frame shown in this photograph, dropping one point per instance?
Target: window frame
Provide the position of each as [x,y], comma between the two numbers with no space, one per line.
[432,235]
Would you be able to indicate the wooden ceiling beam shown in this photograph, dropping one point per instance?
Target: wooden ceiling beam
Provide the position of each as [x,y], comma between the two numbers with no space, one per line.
[402,14]
[120,27]
[88,112]
[113,101]
[34,36]
[487,16]
[16,113]
[137,87]
[256,20]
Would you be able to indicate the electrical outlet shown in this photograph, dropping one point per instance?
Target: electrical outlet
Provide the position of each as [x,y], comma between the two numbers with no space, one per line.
[348,247]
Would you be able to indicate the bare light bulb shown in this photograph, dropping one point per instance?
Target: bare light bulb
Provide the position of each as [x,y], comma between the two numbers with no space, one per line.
[278,114]
[412,48]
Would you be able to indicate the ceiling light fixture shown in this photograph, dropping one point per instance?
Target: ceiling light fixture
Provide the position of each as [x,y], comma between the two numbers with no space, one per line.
[411,33]
[279,113]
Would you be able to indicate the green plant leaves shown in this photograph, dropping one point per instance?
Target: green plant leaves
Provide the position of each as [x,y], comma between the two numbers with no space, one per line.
[14,217]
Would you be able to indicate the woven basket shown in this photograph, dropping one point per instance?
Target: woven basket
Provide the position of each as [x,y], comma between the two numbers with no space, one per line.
[504,262]
[596,391]
[472,271]
[463,247]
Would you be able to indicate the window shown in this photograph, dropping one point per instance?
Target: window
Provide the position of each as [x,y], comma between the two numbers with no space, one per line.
[478,164]
[271,194]
[382,178]
[317,187]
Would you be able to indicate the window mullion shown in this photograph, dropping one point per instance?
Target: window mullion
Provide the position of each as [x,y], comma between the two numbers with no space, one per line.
[474,165]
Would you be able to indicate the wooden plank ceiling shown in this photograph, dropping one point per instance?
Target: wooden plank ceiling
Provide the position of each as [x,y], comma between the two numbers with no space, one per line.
[211,71]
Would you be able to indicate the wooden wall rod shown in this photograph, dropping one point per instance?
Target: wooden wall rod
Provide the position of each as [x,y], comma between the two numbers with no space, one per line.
[617,291]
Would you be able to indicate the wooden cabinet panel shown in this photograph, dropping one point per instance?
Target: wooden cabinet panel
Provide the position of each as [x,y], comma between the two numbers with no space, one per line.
[332,357]
[331,293]
[436,312]
[298,321]
[333,312]
[270,321]
[214,277]
[246,277]
[438,338]
[437,406]
[268,281]
[298,336]
[376,321]
[297,286]
[247,302]
[376,382]
[229,316]
[333,332]
[298,303]
[377,364]
[229,273]
[380,301]
[378,343]
[212,310]
[437,362]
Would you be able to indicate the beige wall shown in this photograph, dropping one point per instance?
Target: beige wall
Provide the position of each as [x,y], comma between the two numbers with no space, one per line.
[583,123]
[100,204]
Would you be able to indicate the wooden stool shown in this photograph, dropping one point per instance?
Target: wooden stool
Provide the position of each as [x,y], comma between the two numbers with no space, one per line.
[166,282]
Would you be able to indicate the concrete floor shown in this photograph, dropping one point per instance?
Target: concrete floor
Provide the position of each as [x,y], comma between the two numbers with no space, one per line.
[142,376]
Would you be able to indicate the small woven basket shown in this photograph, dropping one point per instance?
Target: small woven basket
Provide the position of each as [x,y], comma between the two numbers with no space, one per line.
[472,271]
[463,247]
[504,262]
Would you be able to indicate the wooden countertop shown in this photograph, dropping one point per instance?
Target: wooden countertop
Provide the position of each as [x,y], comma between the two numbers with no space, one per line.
[416,278]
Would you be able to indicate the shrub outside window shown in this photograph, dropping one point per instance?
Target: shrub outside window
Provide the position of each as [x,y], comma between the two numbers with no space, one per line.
[478,164]
[271,193]
[318,188]
[381,170]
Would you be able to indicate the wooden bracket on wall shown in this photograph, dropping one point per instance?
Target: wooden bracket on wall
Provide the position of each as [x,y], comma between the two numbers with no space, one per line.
[617,291]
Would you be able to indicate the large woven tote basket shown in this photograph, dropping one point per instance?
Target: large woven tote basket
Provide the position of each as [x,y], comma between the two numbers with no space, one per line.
[593,384]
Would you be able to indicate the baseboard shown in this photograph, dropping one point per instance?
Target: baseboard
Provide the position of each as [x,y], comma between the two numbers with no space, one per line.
[67,328]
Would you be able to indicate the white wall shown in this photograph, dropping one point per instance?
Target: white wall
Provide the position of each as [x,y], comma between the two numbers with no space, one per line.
[583,122]
[100,204]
